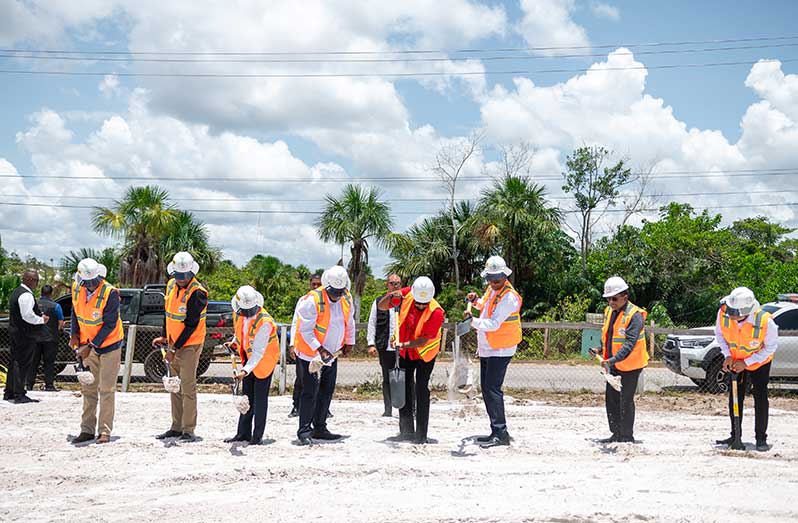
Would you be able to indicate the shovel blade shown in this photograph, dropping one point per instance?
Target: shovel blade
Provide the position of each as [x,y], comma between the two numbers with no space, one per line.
[396,378]
[463,327]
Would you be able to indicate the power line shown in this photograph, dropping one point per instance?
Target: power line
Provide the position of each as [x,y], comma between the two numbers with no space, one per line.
[378,74]
[100,58]
[408,51]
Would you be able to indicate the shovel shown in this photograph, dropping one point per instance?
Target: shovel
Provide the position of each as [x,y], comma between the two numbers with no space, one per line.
[396,375]
[240,401]
[464,326]
[84,375]
[170,383]
[614,381]
[318,362]
[737,442]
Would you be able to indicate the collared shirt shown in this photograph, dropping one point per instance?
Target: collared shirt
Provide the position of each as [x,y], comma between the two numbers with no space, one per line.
[336,330]
[636,325]
[258,344]
[504,309]
[371,330]
[771,341]
[26,303]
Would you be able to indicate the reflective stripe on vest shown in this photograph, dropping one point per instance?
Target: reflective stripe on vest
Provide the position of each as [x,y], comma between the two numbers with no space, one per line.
[639,355]
[271,354]
[746,339]
[509,333]
[175,303]
[89,314]
[321,301]
[428,351]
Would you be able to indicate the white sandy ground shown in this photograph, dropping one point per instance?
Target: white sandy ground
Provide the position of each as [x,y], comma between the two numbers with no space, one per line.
[553,472]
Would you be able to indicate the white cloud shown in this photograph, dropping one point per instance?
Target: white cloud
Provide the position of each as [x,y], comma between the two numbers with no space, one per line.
[604,10]
[109,86]
[548,23]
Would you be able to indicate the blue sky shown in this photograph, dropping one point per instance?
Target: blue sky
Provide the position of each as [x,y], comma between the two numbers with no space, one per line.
[66,124]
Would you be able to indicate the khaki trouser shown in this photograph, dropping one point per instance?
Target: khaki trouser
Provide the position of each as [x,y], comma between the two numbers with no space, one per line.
[184,402]
[105,368]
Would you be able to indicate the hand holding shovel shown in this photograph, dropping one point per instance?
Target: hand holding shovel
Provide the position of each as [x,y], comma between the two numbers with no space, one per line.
[614,381]
[240,401]
[170,383]
[85,377]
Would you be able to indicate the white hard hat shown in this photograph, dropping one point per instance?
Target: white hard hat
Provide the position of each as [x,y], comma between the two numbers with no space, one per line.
[182,262]
[423,290]
[335,277]
[614,285]
[89,269]
[741,302]
[495,265]
[246,297]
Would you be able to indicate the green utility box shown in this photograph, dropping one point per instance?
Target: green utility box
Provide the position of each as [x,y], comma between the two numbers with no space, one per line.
[592,337]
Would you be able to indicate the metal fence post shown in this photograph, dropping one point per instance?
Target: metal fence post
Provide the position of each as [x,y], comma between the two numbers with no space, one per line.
[545,342]
[130,348]
[283,367]
[651,337]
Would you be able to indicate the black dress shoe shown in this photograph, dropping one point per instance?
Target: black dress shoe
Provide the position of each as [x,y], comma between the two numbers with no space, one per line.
[254,441]
[387,414]
[326,435]
[294,413]
[187,437]
[727,441]
[423,440]
[83,437]
[403,436]
[496,441]
[625,439]
[169,434]
[611,439]
[484,439]
[304,441]
[25,399]
[762,446]
[235,439]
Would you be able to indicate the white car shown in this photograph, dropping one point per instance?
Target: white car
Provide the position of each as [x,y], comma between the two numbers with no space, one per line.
[698,356]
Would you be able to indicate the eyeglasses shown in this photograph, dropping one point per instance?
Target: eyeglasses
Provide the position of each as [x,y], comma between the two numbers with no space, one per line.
[395,283]
[614,298]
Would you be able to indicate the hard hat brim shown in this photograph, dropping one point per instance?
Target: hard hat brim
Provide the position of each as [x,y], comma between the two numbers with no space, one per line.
[170,268]
[506,272]
[615,293]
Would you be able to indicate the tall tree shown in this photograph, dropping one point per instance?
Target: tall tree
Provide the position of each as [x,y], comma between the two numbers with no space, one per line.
[187,233]
[448,166]
[108,257]
[355,217]
[595,186]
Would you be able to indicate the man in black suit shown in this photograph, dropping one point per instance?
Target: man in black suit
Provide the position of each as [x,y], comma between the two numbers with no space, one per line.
[46,349]
[380,330]
[24,329]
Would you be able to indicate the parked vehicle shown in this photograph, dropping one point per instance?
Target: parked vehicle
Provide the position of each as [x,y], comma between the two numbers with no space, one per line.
[699,358]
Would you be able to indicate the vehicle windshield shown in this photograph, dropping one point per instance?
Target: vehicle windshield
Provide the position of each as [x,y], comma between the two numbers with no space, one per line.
[771,308]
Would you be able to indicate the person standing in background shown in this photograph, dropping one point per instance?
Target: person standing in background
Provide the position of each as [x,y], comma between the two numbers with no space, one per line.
[47,349]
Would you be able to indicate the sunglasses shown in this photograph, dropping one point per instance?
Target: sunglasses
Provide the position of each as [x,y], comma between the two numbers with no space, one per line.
[614,298]
[395,283]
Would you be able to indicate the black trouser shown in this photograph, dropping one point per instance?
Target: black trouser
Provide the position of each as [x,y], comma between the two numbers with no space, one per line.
[257,391]
[314,402]
[44,352]
[297,386]
[417,375]
[759,378]
[387,362]
[491,379]
[621,405]
[21,352]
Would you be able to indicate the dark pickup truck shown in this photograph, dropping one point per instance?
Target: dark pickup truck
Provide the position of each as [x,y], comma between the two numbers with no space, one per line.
[145,309]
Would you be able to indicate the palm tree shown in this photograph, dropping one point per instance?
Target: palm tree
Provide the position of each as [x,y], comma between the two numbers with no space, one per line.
[512,213]
[355,217]
[141,219]
[187,233]
[108,257]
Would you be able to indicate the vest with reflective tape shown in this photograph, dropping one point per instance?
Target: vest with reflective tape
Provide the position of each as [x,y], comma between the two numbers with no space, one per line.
[322,302]
[245,340]
[746,339]
[175,310]
[509,333]
[427,352]
[639,356]
[90,313]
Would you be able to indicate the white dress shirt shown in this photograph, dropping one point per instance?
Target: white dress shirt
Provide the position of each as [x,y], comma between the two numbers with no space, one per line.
[258,344]
[505,308]
[306,312]
[371,331]
[26,303]
[771,340]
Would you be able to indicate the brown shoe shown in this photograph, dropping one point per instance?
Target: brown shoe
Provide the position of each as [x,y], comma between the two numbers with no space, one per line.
[104,438]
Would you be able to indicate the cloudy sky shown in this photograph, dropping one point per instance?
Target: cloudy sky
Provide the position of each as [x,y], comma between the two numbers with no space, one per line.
[301,96]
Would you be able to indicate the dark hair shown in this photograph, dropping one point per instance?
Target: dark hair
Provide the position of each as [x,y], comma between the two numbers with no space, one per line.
[316,276]
[47,290]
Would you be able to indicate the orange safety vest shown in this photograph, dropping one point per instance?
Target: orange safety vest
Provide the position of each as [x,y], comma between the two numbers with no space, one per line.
[639,356]
[175,309]
[509,333]
[746,339]
[90,313]
[266,365]
[322,302]
[428,352]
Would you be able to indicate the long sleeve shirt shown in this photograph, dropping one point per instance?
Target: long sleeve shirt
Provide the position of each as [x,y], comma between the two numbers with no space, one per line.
[636,325]
[505,308]
[26,304]
[110,317]
[292,333]
[258,344]
[337,330]
[371,329]
[770,346]
[194,307]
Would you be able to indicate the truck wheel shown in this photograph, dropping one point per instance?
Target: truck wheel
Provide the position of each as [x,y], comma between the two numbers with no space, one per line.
[154,367]
[716,378]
